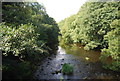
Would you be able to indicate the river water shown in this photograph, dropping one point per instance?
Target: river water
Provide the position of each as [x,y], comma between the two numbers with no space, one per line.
[86,65]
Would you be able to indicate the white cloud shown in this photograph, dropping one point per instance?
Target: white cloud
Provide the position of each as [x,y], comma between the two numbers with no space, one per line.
[60,9]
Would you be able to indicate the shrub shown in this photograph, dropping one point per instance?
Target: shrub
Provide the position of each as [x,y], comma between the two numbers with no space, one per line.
[91,45]
[22,42]
[113,50]
[67,68]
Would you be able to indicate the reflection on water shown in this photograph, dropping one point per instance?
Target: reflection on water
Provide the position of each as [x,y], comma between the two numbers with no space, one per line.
[60,50]
[78,51]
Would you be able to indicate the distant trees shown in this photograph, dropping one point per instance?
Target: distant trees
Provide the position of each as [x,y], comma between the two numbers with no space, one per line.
[95,26]
[27,34]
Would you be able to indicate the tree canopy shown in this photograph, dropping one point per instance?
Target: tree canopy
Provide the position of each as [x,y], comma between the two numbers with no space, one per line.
[96,27]
[27,35]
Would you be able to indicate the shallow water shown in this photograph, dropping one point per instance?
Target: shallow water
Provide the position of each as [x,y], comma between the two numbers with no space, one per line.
[79,52]
[86,65]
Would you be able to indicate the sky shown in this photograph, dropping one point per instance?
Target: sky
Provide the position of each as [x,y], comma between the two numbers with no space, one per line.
[61,9]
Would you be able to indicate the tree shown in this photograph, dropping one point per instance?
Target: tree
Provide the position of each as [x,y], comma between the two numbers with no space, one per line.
[113,50]
[96,27]
[28,35]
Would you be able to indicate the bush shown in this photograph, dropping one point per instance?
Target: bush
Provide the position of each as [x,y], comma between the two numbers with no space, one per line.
[22,42]
[67,69]
[91,45]
[113,50]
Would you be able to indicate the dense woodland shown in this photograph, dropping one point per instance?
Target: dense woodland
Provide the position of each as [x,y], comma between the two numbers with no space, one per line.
[27,35]
[96,26]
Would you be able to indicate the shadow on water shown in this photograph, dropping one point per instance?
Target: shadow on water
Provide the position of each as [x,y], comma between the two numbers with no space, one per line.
[86,65]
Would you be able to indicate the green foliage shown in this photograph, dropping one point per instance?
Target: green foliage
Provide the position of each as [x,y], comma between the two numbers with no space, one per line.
[91,45]
[85,28]
[113,50]
[22,42]
[16,13]
[95,26]
[27,34]
[67,68]
[66,29]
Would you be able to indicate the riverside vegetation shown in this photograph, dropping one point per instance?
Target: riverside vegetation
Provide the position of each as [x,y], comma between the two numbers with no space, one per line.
[96,26]
[67,68]
[27,35]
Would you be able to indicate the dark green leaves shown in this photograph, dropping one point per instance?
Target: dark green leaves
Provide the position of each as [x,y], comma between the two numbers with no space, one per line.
[27,34]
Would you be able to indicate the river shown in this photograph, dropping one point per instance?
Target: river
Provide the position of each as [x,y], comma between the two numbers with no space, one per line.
[86,65]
